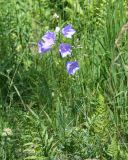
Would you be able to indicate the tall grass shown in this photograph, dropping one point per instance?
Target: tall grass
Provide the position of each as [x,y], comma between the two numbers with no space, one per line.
[46,113]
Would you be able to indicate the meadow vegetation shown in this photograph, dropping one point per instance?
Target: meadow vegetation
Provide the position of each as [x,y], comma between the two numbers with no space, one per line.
[47,114]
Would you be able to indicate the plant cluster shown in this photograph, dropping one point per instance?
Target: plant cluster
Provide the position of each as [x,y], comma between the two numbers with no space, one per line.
[65,49]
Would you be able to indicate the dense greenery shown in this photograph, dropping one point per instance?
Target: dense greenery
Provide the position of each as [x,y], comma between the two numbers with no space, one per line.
[46,114]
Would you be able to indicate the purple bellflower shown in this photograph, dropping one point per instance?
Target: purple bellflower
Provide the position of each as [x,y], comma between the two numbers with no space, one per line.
[43,47]
[68,31]
[65,49]
[49,38]
[72,67]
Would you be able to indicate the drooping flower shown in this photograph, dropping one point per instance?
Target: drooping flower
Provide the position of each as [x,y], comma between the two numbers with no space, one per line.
[49,38]
[68,31]
[57,29]
[65,49]
[43,47]
[72,67]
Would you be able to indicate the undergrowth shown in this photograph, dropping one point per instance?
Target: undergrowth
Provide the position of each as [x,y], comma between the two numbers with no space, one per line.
[46,113]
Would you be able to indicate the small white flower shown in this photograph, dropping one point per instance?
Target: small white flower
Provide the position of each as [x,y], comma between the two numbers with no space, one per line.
[57,29]
[55,16]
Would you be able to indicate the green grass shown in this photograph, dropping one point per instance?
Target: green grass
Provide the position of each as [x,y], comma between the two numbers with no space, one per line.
[52,115]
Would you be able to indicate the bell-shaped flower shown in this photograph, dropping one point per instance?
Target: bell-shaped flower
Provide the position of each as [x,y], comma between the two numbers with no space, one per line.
[72,67]
[43,47]
[65,49]
[49,38]
[68,31]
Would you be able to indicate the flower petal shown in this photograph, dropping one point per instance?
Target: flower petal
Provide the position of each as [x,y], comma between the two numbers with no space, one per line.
[72,67]
[57,29]
[65,49]
[43,47]
[68,31]
[49,37]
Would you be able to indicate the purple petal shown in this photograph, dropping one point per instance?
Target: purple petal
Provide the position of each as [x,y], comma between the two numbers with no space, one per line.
[43,47]
[65,49]
[49,37]
[72,67]
[68,31]
[69,26]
